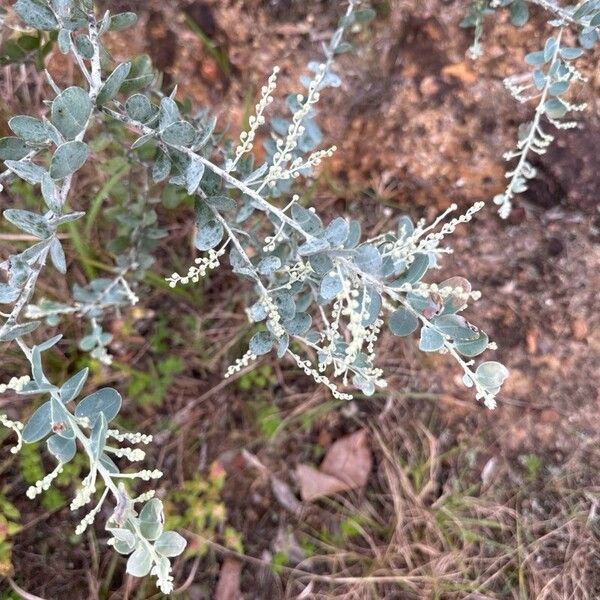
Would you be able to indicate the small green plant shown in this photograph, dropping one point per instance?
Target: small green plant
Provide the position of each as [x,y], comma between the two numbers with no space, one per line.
[196,505]
[9,526]
[150,389]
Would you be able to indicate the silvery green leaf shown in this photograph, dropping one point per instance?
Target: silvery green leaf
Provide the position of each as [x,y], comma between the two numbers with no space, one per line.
[39,425]
[261,343]
[221,202]
[180,133]
[588,37]
[70,112]
[558,88]
[125,537]
[257,173]
[285,304]
[331,286]
[583,9]
[64,41]
[257,312]
[535,58]
[320,263]
[32,388]
[368,259]
[8,294]
[354,233]
[84,46]
[28,221]
[307,219]
[20,330]
[313,246]
[193,175]
[554,108]
[269,264]
[491,374]
[98,436]
[161,167]
[366,386]
[139,108]
[519,13]
[36,366]
[69,218]
[113,83]
[473,347]
[122,21]
[68,158]
[29,128]
[63,449]
[337,231]
[430,340]
[144,139]
[572,53]
[26,170]
[140,562]
[402,322]
[209,235]
[60,419]
[13,148]
[152,519]
[106,401]
[140,75]
[168,112]
[456,327]
[539,79]
[36,14]
[71,388]
[282,345]
[50,343]
[170,543]
[299,324]
[416,270]
[549,48]
[61,7]
[108,464]
[57,254]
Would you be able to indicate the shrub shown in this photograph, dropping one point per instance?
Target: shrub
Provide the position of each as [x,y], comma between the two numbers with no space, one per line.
[549,83]
[322,293]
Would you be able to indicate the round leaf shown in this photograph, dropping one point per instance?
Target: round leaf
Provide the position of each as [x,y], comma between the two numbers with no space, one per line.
[113,83]
[106,400]
[68,158]
[39,425]
[402,322]
[70,111]
[63,449]
[140,562]
[170,543]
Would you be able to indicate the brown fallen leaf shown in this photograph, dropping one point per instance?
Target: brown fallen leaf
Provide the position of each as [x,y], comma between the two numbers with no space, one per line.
[346,466]
[314,484]
[349,459]
[228,587]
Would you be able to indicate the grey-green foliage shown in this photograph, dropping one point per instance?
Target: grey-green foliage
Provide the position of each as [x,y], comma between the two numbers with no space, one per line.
[551,78]
[321,292]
